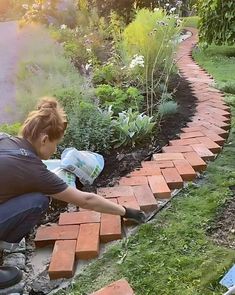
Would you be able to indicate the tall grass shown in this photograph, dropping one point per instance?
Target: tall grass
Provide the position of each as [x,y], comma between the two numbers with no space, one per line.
[43,69]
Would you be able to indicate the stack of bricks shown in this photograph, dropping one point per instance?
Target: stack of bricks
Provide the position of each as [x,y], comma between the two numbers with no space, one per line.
[78,235]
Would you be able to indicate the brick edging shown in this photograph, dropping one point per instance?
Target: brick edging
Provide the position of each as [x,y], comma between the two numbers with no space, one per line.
[157,179]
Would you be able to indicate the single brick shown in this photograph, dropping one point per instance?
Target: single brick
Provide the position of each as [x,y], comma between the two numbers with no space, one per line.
[88,241]
[167,156]
[62,260]
[177,149]
[172,177]
[191,134]
[185,170]
[49,234]
[145,197]
[213,136]
[195,161]
[116,191]
[181,142]
[191,129]
[110,226]
[157,164]
[146,171]
[79,217]
[129,202]
[134,180]
[203,151]
[159,186]
[120,287]
[210,144]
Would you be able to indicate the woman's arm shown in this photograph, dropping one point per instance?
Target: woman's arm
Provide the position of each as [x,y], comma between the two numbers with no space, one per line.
[89,201]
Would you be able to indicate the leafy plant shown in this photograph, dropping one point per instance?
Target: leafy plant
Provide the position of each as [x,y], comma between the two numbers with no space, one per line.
[12,129]
[105,74]
[89,128]
[167,108]
[131,128]
[217,22]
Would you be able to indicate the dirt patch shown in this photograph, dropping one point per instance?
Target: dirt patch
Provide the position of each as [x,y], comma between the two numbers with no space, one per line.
[222,229]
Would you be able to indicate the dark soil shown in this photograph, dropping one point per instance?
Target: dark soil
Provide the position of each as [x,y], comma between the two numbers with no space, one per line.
[222,230]
[120,163]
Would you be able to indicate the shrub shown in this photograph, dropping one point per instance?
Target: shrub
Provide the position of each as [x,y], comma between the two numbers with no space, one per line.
[105,74]
[131,128]
[217,20]
[167,108]
[89,128]
[12,129]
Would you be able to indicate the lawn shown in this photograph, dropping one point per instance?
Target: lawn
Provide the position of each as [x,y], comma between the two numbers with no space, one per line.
[173,254]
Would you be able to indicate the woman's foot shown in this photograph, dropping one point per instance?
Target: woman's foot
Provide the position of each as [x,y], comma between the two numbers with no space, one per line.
[9,276]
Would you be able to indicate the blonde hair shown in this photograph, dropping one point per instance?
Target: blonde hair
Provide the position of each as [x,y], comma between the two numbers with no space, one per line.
[48,118]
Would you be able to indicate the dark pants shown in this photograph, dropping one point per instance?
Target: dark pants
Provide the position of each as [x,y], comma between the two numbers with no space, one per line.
[20,214]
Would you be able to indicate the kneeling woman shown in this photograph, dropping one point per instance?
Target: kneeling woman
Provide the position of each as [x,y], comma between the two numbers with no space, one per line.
[26,183]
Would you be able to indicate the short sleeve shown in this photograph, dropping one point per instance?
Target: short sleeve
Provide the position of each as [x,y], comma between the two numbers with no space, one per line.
[48,182]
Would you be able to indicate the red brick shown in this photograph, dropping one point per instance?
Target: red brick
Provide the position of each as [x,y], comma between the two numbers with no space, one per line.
[63,260]
[133,180]
[116,191]
[195,161]
[211,127]
[210,144]
[159,186]
[49,234]
[79,217]
[172,177]
[191,129]
[181,142]
[215,111]
[88,241]
[157,164]
[213,136]
[177,149]
[191,134]
[110,226]
[213,115]
[202,117]
[167,156]
[146,171]
[145,197]
[203,151]
[185,170]
[129,202]
[120,287]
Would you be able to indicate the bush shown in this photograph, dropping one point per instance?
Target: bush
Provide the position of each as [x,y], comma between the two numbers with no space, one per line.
[217,20]
[118,98]
[167,108]
[131,128]
[89,128]
[12,129]
[106,74]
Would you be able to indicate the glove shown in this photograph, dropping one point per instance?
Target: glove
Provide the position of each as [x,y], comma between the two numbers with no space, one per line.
[136,215]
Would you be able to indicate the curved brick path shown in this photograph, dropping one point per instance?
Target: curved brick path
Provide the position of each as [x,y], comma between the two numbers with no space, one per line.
[78,234]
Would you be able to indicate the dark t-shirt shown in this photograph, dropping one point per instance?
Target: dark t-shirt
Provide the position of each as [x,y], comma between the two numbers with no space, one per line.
[20,174]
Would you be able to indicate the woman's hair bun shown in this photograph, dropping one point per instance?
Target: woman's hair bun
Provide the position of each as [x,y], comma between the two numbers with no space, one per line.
[47,103]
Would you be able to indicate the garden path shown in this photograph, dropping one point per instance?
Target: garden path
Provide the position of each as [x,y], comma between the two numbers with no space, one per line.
[10,43]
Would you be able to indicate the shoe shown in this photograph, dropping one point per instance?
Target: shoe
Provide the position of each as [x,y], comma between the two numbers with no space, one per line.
[9,276]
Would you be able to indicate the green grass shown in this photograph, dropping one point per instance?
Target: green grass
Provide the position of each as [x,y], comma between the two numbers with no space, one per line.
[43,69]
[173,255]
[191,21]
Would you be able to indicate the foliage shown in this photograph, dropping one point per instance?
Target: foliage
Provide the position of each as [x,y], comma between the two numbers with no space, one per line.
[217,22]
[89,128]
[131,128]
[12,129]
[191,21]
[118,98]
[167,108]
[106,74]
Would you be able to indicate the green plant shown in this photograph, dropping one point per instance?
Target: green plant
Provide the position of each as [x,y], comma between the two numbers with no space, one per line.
[217,22]
[106,74]
[167,108]
[131,128]
[228,87]
[89,128]
[12,129]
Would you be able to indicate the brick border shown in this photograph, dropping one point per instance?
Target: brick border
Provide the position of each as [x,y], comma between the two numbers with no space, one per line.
[201,140]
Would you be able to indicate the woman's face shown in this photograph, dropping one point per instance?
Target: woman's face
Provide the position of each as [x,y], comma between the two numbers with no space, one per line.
[45,148]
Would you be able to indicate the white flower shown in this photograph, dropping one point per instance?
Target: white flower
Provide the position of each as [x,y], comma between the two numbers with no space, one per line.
[156,9]
[162,23]
[63,27]
[87,67]
[25,6]
[179,3]
[88,49]
[167,4]
[172,9]
[138,60]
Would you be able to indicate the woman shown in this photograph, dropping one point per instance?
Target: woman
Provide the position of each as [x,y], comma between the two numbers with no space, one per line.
[26,183]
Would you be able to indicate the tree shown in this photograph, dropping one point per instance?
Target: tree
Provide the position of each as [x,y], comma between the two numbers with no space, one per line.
[217,21]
